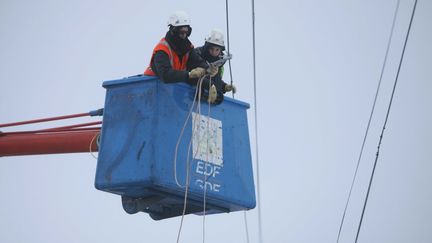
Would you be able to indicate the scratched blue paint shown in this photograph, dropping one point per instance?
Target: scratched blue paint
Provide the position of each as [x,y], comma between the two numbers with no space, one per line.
[142,121]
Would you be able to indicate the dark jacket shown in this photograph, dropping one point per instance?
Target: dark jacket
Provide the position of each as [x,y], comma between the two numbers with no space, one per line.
[162,67]
[216,80]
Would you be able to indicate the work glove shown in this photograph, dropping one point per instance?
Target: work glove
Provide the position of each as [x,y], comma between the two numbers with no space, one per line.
[197,72]
[230,87]
[212,94]
[213,70]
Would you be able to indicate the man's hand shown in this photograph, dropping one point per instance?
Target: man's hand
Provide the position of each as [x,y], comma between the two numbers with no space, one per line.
[212,94]
[230,87]
[197,72]
[213,70]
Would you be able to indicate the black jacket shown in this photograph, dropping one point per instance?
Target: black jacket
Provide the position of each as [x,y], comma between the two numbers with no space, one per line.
[216,80]
[162,67]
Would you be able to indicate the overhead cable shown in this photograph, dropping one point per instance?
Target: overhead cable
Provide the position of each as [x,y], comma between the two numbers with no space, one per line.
[370,119]
[228,42]
[260,237]
[386,119]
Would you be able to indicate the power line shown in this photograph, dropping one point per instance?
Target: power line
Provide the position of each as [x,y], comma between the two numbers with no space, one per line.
[229,64]
[228,42]
[246,226]
[386,119]
[370,119]
[260,238]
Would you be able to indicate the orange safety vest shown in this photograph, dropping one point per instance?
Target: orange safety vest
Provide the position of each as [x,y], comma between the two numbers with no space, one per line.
[174,58]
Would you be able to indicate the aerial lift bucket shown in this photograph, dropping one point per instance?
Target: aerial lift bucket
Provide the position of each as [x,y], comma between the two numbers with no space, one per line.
[156,152]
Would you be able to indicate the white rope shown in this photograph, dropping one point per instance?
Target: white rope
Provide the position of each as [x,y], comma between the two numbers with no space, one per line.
[180,136]
[205,170]
[91,143]
[197,91]
[195,124]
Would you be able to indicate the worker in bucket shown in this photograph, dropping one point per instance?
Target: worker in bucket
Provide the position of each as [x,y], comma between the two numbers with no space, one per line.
[213,53]
[174,58]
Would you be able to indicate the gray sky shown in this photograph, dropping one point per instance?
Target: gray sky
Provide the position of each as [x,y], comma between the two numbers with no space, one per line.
[318,65]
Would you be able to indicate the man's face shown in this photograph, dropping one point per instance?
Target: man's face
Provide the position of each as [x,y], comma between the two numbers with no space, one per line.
[215,51]
[183,32]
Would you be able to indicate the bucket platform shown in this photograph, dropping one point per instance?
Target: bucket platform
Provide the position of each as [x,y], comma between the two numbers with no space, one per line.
[142,123]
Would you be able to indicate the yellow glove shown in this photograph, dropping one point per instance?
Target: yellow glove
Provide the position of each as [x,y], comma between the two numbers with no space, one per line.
[230,87]
[212,94]
[213,70]
[197,72]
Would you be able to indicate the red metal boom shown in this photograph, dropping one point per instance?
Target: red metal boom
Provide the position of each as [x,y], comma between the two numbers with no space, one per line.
[72,141]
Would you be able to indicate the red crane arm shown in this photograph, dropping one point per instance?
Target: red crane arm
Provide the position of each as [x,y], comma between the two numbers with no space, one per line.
[72,141]
[67,139]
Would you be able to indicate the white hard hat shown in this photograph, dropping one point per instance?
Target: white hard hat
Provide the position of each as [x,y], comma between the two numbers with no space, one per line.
[179,18]
[216,37]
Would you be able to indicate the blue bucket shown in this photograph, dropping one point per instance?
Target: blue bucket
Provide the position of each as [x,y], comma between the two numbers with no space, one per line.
[142,124]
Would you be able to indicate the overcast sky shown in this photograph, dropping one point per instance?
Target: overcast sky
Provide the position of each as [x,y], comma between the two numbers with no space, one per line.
[318,66]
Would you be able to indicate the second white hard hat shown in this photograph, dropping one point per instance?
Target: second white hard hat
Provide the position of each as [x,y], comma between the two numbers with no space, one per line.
[216,37]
